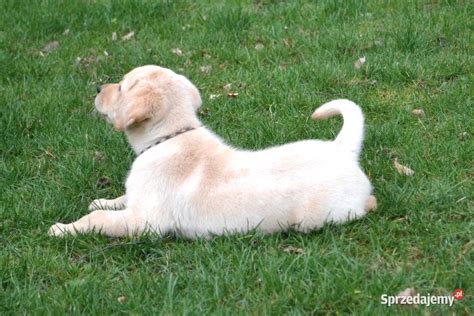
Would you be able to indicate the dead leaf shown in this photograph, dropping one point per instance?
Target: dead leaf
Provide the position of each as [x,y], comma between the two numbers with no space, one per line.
[99,156]
[114,36]
[414,253]
[48,48]
[421,83]
[379,42]
[213,96]
[66,32]
[232,95]
[103,182]
[121,299]
[401,219]
[441,41]
[259,46]
[406,293]
[227,86]
[203,111]
[49,153]
[205,69]
[418,112]
[463,136]
[128,36]
[359,62]
[287,42]
[293,250]
[177,51]
[402,169]
[87,61]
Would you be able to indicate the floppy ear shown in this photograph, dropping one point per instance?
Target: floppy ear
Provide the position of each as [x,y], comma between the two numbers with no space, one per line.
[134,115]
[196,98]
[138,110]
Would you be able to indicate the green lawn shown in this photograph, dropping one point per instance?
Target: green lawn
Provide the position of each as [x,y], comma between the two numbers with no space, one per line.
[283,58]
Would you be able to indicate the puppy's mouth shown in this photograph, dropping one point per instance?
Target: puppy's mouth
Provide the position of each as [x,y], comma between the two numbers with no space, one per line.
[97,107]
[97,112]
[105,117]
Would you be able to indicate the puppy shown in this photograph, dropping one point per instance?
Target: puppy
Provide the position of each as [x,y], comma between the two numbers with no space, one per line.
[187,181]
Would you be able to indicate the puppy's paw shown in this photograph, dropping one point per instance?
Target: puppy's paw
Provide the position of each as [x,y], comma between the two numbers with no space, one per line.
[104,204]
[58,230]
[98,204]
[371,204]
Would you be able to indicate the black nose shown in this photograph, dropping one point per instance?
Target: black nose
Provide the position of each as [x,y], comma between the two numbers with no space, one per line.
[97,88]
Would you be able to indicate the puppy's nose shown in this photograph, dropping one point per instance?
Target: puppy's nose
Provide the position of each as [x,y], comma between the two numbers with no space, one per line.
[98,88]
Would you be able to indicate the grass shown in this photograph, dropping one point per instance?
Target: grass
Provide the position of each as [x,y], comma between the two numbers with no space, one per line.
[419,55]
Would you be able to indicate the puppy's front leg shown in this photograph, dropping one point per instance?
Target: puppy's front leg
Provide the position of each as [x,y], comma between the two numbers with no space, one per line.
[110,223]
[119,203]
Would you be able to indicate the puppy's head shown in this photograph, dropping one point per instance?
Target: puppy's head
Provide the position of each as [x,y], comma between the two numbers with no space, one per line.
[145,96]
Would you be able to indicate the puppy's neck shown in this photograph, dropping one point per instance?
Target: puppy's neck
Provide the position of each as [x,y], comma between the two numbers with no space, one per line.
[145,135]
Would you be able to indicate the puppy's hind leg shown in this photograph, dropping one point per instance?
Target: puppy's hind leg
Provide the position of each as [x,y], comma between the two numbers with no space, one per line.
[109,223]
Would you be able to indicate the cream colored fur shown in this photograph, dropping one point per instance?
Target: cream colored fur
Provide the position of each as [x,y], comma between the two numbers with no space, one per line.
[195,185]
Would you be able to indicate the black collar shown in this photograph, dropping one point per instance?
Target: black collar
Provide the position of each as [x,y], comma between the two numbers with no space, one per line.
[165,138]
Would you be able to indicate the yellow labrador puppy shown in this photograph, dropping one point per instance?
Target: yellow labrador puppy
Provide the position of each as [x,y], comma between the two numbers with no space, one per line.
[187,181]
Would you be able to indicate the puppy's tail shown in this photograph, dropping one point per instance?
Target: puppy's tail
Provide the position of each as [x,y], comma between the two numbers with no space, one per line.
[352,132]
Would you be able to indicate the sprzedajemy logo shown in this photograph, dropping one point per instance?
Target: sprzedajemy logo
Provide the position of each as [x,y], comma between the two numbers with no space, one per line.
[419,299]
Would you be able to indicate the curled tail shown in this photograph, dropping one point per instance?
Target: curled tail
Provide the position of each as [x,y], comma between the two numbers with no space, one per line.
[352,132]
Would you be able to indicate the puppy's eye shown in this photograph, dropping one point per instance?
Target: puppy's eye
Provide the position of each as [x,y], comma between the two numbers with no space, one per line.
[120,87]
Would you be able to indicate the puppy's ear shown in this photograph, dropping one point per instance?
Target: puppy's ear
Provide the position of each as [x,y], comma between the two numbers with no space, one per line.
[136,114]
[138,110]
[196,98]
